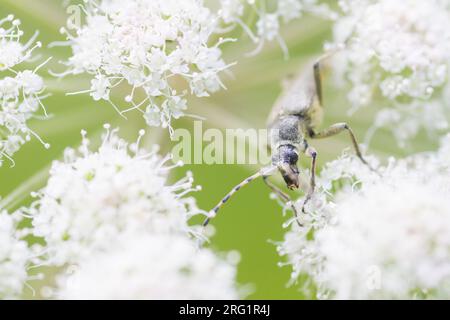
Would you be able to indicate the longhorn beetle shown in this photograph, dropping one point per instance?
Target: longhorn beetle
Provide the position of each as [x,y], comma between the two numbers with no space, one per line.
[294,119]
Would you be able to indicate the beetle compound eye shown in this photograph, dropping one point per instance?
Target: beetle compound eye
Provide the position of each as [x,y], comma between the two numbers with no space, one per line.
[293,157]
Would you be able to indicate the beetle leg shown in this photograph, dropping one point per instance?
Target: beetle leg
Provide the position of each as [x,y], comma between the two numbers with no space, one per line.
[312,153]
[283,197]
[336,129]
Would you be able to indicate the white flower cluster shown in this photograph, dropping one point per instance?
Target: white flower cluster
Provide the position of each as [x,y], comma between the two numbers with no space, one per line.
[93,197]
[152,267]
[269,21]
[151,45]
[20,92]
[120,230]
[378,236]
[398,51]
[14,257]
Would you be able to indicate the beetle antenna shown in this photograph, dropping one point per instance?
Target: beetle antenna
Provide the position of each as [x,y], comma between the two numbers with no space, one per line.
[260,173]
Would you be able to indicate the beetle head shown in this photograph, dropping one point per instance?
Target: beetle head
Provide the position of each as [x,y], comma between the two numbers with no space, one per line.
[287,164]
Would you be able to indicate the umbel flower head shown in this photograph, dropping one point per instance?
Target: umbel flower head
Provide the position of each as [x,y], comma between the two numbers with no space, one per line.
[269,21]
[151,45]
[399,51]
[92,197]
[151,267]
[14,257]
[20,91]
[382,236]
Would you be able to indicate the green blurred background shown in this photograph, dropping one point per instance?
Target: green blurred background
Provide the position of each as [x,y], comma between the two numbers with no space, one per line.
[251,222]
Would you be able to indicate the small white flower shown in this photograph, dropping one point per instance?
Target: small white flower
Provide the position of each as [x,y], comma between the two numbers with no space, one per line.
[152,116]
[175,106]
[100,88]
[268,26]
[151,267]
[30,82]
[231,10]
[289,9]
